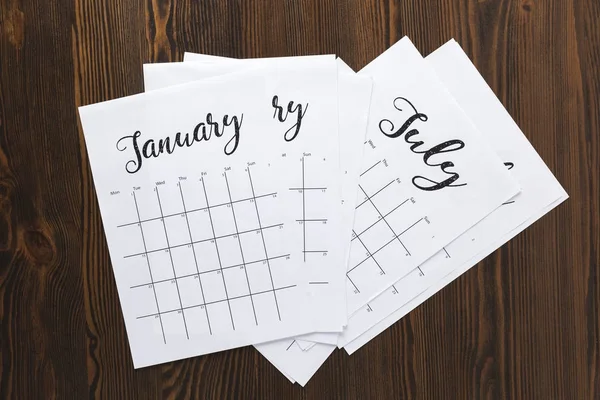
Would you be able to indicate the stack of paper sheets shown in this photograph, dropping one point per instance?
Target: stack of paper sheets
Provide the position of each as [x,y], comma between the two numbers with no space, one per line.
[297,206]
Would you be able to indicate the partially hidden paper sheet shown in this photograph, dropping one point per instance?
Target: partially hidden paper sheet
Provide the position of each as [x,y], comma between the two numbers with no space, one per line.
[428,175]
[539,191]
[312,170]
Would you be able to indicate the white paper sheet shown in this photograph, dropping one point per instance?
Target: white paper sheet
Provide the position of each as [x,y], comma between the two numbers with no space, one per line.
[293,361]
[354,100]
[157,75]
[312,169]
[354,95]
[427,175]
[539,190]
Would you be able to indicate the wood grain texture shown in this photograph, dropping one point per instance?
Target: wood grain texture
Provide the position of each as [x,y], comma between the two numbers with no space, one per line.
[524,323]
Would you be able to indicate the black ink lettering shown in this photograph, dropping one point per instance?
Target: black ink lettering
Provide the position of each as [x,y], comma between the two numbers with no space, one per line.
[510,165]
[214,125]
[237,125]
[202,132]
[186,142]
[137,163]
[291,108]
[201,127]
[165,143]
[149,145]
[422,182]
[404,127]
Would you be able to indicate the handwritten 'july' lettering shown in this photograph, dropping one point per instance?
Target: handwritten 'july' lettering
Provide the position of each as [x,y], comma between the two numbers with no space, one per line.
[448,146]
[297,109]
[202,131]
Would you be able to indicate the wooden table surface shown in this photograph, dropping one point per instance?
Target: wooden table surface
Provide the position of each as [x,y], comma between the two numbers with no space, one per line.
[524,323]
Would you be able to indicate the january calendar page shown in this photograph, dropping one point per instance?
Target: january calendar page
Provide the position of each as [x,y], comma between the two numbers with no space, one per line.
[190,206]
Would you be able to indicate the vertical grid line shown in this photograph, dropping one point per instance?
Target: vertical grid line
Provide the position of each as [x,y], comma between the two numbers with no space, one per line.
[195,259]
[212,226]
[240,244]
[383,218]
[353,284]
[149,269]
[172,264]
[368,251]
[264,244]
[303,214]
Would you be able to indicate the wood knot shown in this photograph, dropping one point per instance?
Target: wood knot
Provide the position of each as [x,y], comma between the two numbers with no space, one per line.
[5,193]
[40,248]
[5,216]
[14,27]
[527,6]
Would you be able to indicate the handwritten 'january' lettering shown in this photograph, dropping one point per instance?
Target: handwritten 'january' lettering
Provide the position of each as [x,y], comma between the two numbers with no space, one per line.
[203,131]
[448,146]
[291,109]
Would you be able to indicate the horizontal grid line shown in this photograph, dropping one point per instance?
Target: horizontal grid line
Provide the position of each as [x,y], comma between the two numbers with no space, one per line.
[404,231]
[203,240]
[309,188]
[195,210]
[369,252]
[380,219]
[371,167]
[374,194]
[208,272]
[215,302]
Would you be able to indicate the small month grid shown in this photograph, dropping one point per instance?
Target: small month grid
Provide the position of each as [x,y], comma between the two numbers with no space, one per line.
[205,254]
[384,219]
[310,201]
[395,291]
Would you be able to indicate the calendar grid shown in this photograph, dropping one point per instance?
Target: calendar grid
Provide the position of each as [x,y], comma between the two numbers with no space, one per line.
[380,217]
[176,303]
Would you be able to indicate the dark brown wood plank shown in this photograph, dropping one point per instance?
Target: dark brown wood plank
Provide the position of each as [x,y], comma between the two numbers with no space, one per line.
[42,306]
[108,48]
[524,323]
